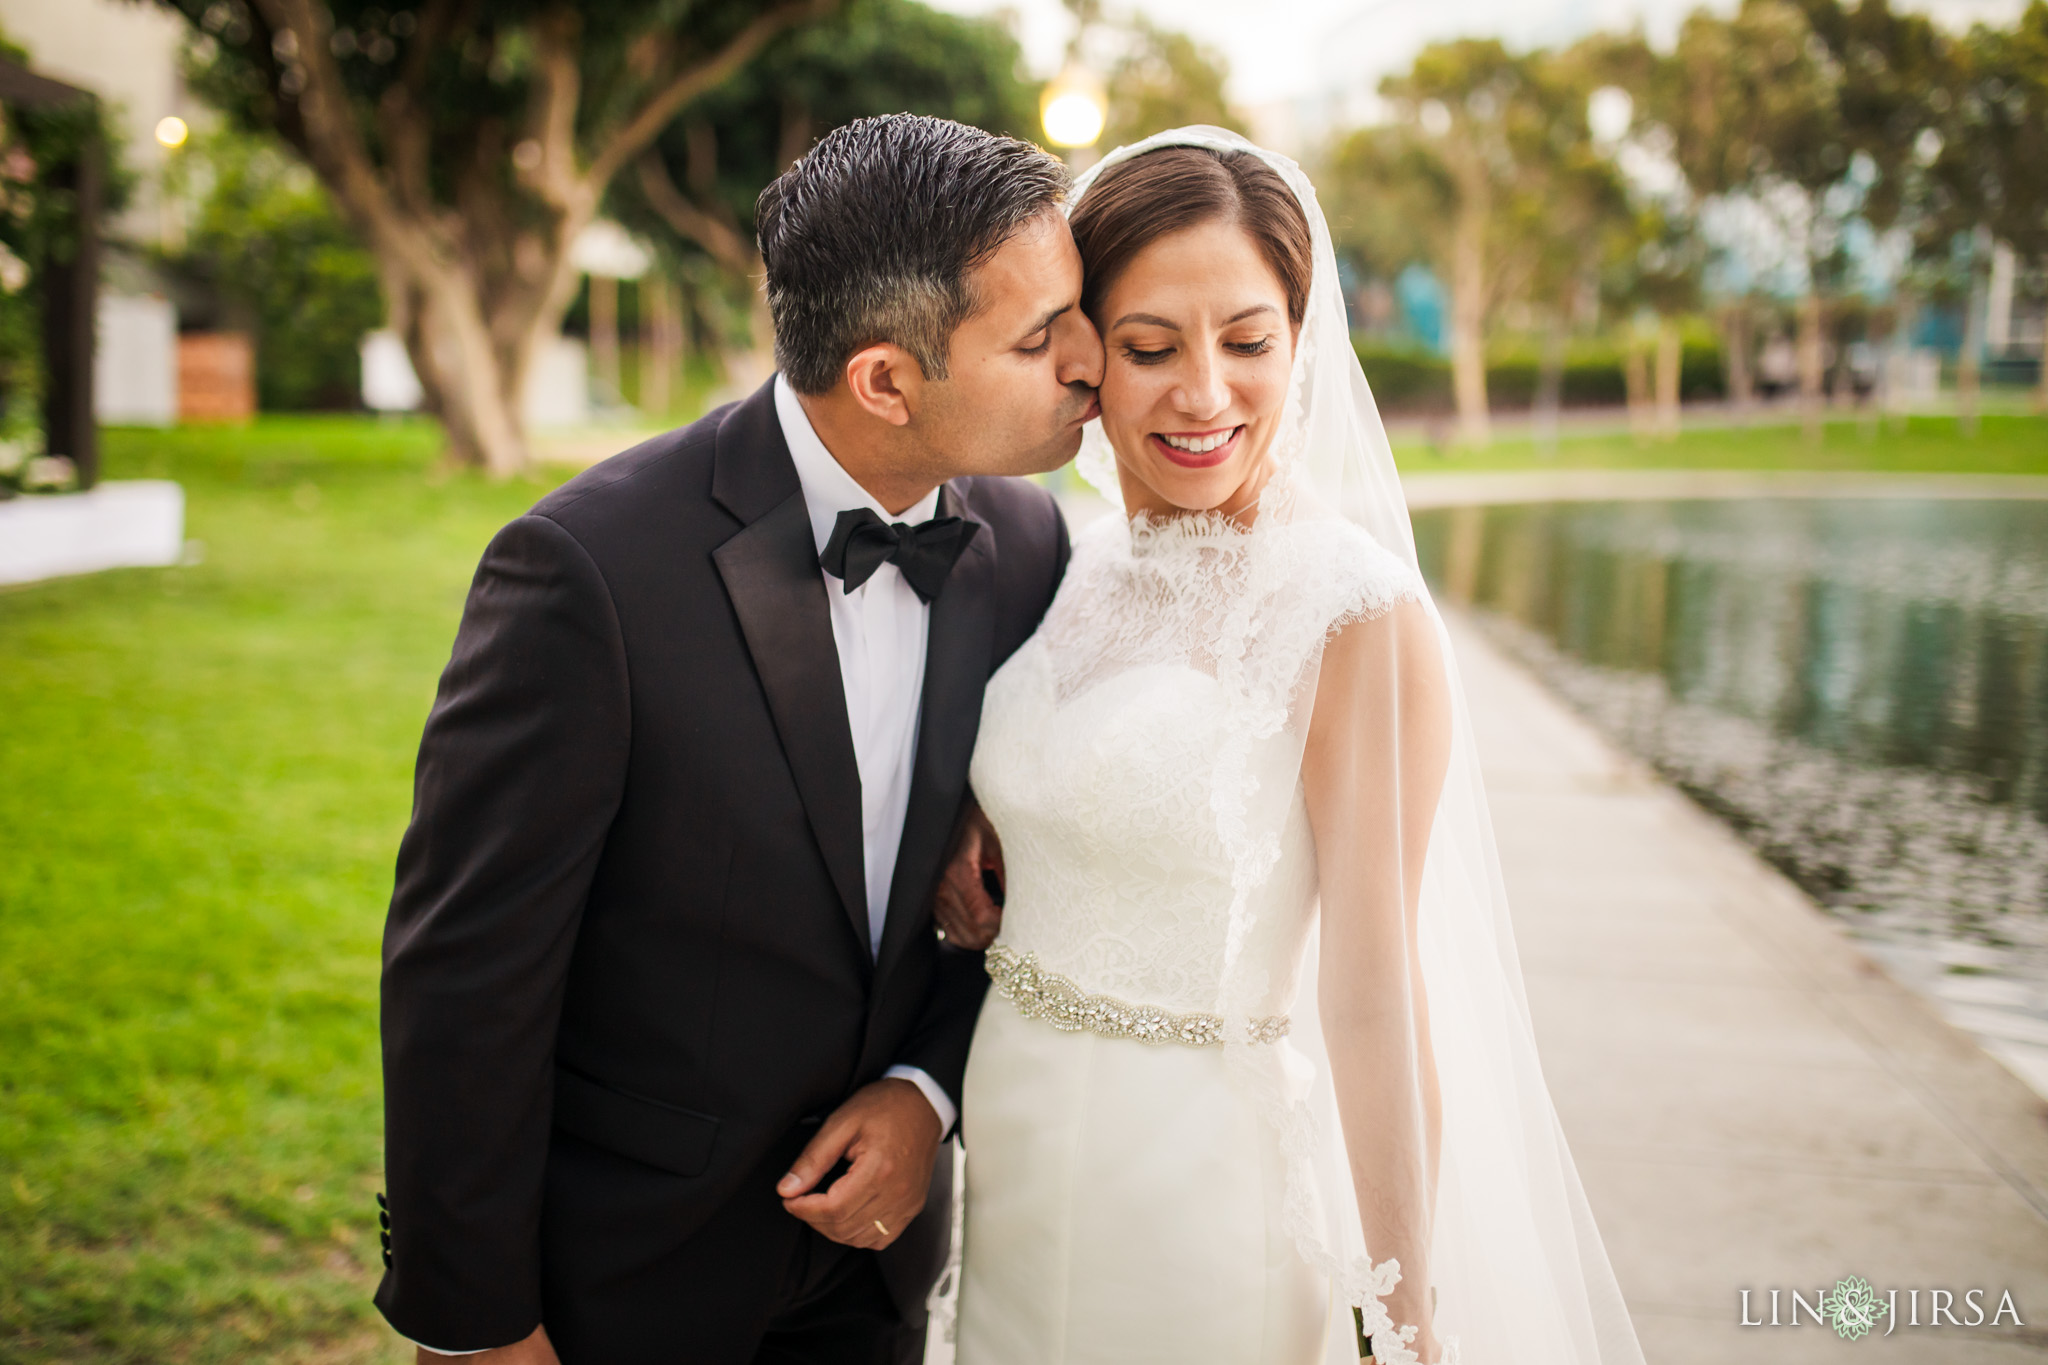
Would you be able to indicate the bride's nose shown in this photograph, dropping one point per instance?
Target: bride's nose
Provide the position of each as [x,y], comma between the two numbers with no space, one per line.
[1202,392]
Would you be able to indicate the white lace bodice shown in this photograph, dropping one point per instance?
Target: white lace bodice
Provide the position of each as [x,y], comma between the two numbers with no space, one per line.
[1112,757]
[1117,876]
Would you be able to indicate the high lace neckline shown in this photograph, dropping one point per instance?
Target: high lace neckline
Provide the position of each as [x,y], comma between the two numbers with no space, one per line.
[1154,536]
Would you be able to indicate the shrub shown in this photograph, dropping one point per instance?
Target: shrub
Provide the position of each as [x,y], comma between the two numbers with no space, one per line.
[1407,382]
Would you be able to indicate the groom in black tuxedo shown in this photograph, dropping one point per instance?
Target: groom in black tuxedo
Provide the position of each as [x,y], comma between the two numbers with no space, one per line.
[670,1045]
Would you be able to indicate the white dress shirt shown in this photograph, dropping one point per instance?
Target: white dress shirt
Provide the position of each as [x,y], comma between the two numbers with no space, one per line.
[880,630]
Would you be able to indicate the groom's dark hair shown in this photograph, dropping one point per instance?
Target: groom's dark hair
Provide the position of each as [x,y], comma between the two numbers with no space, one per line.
[873,235]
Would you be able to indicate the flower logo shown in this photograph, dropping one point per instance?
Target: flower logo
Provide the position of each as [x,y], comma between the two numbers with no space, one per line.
[1852,1306]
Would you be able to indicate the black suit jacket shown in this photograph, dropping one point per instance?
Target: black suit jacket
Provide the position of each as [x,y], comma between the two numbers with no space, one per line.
[630,906]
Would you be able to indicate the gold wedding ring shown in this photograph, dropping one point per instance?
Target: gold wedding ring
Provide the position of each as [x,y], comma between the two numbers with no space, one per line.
[879,1228]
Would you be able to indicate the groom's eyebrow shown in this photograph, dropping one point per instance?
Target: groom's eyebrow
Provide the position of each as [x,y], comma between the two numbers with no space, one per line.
[1048,319]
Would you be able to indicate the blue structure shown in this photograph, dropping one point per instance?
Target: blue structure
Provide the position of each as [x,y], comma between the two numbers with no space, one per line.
[1424,304]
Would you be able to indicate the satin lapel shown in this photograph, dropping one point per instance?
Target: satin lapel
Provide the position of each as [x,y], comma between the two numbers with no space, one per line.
[960,645]
[771,573]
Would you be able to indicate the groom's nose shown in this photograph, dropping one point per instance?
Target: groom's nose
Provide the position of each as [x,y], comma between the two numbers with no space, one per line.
[1080,350]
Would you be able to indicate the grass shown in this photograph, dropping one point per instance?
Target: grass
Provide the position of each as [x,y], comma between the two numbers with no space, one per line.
[203,777]
[2006,444]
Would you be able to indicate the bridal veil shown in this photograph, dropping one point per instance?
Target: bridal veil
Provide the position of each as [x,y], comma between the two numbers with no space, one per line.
[1420,1142]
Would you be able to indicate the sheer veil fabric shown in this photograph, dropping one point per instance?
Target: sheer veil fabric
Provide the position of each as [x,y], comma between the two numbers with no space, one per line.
[1420,1144]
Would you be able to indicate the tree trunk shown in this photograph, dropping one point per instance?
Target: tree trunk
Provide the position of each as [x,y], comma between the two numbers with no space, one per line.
[1969,364]
[1468,325]
[1670,352]
[474,285]
[1550,385]
[2041,387]
[1635,378]
[748,369]
[1735,336]
[1812,364]
[449,344]
[604,336]
[659,351]
[1969,371]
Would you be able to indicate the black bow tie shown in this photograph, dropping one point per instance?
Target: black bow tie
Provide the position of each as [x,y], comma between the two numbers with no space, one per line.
[862,543]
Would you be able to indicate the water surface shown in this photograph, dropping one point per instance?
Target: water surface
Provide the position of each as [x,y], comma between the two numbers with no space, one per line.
[1859,687]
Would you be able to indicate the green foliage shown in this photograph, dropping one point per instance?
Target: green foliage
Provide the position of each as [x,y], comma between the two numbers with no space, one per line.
[1887,65]
[1407,382]
[38,225]
[470,145]
[1992,131]
[265,239]
[1753,99]
[872,57]
[1390,199]
[469,73]
[1164,80]
[1489,150]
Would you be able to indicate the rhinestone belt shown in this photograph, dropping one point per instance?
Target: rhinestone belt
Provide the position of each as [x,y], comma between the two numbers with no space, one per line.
[1040,994]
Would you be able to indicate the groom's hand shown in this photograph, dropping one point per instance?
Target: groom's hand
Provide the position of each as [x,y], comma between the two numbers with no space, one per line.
[967,915]
[890,1134]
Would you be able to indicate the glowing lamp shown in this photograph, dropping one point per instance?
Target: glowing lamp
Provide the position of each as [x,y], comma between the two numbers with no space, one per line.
[1073,109]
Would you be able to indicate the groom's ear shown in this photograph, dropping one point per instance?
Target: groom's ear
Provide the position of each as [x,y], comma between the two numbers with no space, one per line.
[886,381]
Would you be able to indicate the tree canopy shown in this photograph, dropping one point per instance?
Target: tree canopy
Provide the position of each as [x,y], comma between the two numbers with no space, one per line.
[469,144]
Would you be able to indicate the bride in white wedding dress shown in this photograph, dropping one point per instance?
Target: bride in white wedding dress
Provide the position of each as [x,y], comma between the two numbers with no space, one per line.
[1255,1081]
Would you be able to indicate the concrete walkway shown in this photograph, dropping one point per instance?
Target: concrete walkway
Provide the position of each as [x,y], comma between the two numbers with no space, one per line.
[1751,1102]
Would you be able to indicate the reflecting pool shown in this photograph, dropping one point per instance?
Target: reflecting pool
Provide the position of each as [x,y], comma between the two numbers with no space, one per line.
[1860,688]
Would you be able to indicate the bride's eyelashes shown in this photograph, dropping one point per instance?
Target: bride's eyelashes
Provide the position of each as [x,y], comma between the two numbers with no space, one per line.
[1141,356]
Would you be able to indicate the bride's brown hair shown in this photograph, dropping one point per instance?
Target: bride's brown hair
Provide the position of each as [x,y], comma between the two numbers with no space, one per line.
[1136,202]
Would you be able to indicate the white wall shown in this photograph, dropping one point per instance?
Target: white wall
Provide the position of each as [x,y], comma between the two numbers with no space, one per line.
[135,363]
[557,384]
[122,524]
[389,384]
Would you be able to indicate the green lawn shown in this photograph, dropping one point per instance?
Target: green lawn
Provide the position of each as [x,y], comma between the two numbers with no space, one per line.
[2006,444]
[203,777]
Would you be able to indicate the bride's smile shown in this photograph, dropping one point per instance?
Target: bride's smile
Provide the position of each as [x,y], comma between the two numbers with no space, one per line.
[1200,346]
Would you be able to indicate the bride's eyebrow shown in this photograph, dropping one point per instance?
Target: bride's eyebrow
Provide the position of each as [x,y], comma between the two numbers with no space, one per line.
[1155,320]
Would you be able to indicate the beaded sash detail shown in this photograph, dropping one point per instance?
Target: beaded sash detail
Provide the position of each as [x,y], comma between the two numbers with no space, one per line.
[1040,994]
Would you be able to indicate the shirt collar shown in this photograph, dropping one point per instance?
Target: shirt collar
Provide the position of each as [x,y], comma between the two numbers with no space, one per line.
[828,489]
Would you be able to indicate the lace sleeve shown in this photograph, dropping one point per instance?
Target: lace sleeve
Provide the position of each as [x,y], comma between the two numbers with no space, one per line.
[1373,770]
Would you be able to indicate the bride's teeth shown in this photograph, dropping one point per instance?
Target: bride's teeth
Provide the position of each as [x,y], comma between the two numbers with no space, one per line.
[1199,445]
